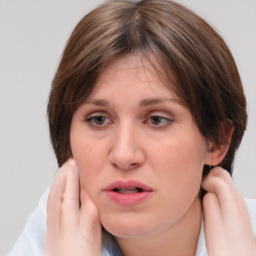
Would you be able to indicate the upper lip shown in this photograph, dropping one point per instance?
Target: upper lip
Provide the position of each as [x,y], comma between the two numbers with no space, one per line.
[128,184]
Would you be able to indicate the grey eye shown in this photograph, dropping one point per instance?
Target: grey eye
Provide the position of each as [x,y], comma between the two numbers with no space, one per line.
[156,120]
[97,120]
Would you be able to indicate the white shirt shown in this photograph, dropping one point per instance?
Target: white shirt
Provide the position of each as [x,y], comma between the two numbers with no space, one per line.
[31,240]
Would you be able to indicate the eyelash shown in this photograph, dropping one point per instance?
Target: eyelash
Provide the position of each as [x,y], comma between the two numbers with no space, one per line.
[92,121]
[157,118]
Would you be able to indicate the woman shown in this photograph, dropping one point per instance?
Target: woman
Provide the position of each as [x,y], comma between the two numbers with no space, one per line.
[145,113]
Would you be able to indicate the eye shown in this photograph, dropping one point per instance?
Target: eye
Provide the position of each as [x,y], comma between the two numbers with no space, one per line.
[97,120]
[159,121]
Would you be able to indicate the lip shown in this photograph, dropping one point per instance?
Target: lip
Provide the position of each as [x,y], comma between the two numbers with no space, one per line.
[131,198]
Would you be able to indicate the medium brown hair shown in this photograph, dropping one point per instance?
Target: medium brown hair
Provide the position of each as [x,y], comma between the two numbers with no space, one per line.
[192,60]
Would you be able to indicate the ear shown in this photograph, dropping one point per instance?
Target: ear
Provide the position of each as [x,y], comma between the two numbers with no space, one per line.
[217,153]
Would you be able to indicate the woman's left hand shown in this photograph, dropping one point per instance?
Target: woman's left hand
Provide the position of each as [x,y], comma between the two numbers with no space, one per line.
[228,229]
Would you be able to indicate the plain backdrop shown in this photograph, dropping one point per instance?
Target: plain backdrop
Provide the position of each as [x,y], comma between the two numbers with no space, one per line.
[32,36]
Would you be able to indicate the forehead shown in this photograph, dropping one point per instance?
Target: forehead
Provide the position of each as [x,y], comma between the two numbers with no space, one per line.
[132,72]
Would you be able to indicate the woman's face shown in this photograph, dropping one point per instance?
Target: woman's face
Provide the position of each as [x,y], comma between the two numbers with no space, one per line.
[139,152]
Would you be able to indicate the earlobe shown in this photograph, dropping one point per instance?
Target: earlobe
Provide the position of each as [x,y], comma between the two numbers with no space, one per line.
[216,152]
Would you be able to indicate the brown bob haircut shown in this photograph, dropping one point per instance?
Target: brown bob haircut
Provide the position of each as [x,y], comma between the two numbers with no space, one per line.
[192,60]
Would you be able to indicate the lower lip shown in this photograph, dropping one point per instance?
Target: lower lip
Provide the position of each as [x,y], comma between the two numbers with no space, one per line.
[129,199]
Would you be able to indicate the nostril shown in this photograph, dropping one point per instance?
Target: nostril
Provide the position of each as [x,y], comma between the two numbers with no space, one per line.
[126,153]
[125,166]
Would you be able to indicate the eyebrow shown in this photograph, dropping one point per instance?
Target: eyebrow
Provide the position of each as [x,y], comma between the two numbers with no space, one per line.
[143,103]
[98,102]
[154,101]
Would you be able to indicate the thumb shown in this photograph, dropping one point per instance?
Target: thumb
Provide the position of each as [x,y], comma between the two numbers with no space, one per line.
[89,219]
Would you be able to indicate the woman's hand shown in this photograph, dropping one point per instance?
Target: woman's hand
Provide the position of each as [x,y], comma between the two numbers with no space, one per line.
[228,229]
[70,230]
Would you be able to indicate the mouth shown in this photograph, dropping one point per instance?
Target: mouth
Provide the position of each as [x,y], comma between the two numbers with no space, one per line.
[128,187]
[128,192]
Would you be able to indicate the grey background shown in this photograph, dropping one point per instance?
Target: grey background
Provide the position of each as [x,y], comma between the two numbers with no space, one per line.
[32,36]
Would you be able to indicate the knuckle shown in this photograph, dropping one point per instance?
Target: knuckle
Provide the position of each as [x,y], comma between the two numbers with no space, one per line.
[68,202]
[217,178]
[208,199]
[220,173]
[66,199]
[65,167]
[71,162]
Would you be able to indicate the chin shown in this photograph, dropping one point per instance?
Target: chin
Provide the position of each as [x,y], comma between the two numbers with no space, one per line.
[128,232]
[131,226]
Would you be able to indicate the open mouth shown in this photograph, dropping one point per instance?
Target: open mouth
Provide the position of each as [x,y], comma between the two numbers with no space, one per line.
[128,190]
[128,187]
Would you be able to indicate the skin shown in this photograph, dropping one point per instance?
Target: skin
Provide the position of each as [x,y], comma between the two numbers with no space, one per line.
[70,230]
[227,223]
[121,133]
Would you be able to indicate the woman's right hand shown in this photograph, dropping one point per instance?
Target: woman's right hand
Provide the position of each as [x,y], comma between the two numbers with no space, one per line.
[71,230]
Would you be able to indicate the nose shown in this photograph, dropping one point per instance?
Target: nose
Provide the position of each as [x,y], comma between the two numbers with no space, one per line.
[127,150]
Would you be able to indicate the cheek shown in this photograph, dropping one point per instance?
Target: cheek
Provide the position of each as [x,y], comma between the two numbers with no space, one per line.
[180,163]
[179,156]
[180,177]
[89,160]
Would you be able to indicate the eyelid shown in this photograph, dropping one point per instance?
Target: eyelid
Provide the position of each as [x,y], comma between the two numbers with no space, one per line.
[166,119]
[96,114]
[89,119]
[162,114]
[162,117]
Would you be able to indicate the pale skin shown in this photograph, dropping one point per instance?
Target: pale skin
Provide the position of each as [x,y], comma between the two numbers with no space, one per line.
[127,111]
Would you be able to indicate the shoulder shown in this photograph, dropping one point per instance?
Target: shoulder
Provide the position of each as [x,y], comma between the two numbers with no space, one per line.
[31,239]
[109,246]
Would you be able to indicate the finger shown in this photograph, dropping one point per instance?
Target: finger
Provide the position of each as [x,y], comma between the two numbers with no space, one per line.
[54,203]
[70,202]
[235,216]
[231,202]
[89,219]
[214,230]
[220,183]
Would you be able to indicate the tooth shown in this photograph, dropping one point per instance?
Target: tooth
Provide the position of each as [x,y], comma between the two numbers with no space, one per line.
[127,190]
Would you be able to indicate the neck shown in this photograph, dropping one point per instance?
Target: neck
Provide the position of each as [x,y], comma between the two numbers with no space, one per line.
[180,239]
